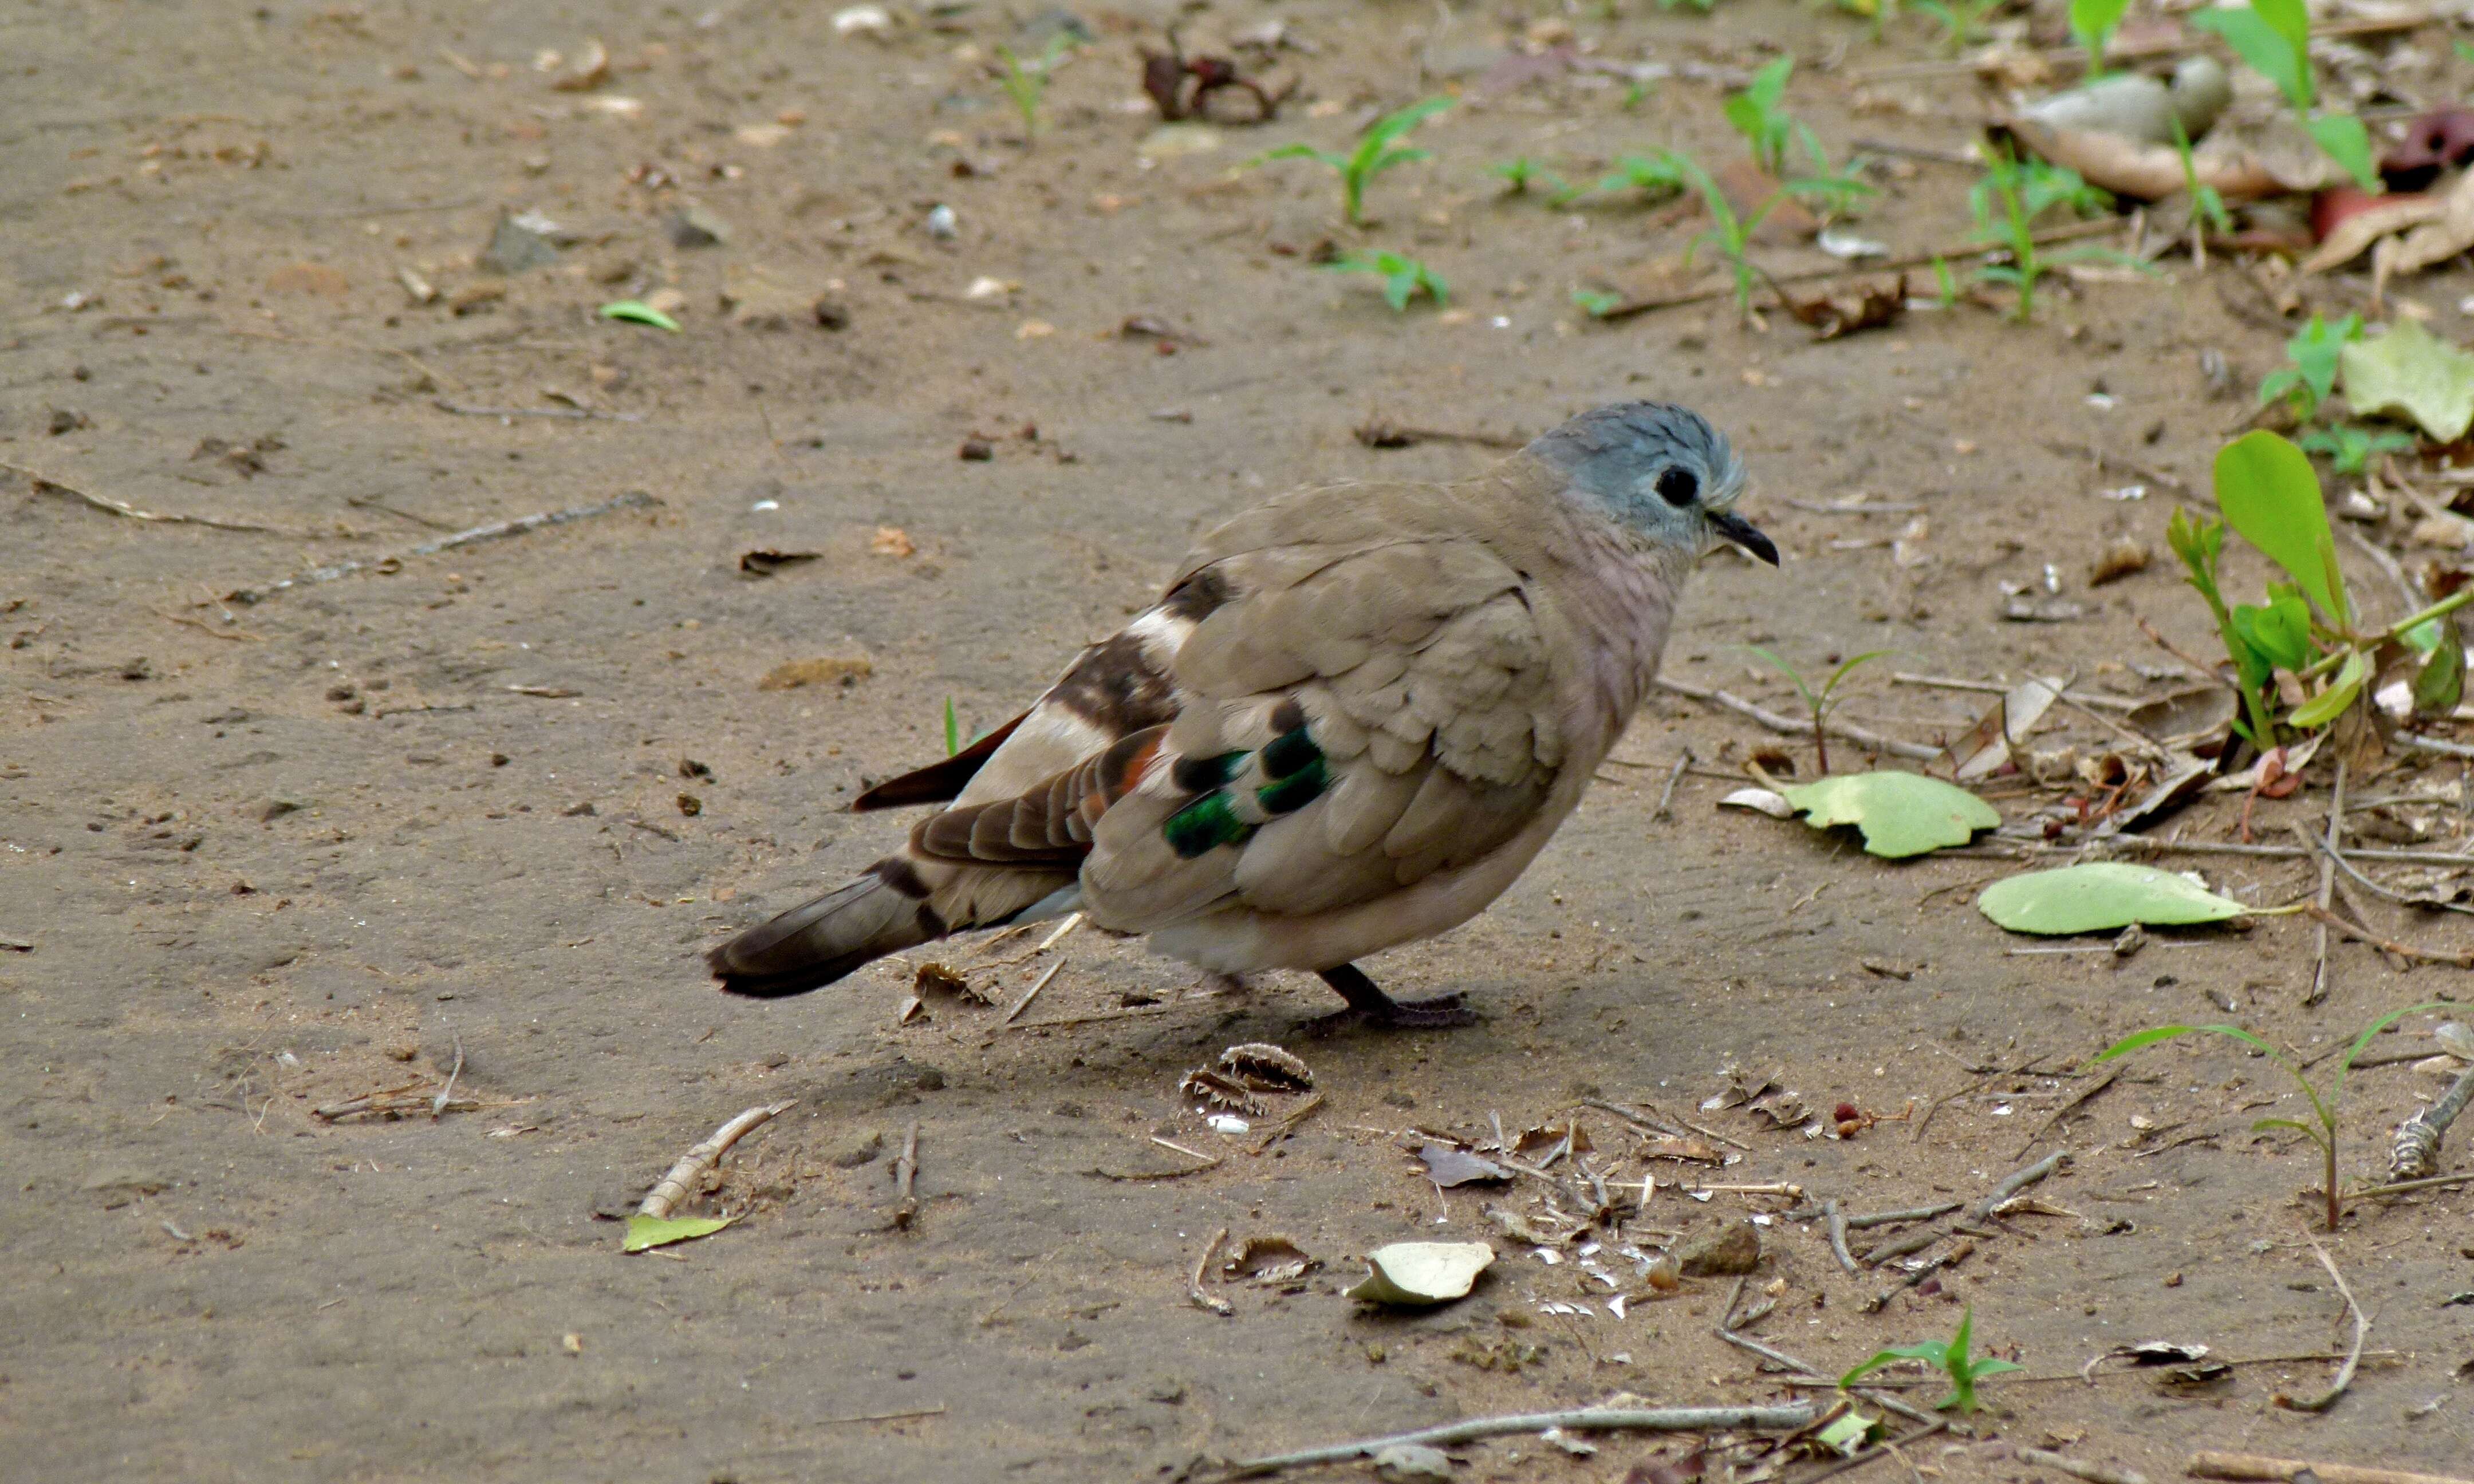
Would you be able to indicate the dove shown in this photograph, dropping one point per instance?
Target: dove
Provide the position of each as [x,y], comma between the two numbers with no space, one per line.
[1355,715]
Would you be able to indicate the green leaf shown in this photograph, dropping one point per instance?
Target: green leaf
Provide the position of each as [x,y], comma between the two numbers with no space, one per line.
[1792,674]
[1900,814]
[2349,144]
[1929,1349]
[2330,703]
[953,730]
[2270,493]
[2101,897]
[1396,289]
[1392,126]
[2336,1083]
[2091,21]
[2411,372]
[2295,1124]
[2279,632]
[648,1231]
[2291,21]
[638,312]
[2263,47]
[1850,1432]
[2440,683]
[1595,304]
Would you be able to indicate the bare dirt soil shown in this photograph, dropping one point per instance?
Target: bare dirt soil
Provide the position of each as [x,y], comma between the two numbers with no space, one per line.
[260,859]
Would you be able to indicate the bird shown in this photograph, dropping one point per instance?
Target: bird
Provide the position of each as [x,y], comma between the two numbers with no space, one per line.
[1356,713]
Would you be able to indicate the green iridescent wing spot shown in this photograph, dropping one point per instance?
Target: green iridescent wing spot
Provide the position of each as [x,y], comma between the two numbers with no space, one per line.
[1296,791]
[1288,752]
[1206,824]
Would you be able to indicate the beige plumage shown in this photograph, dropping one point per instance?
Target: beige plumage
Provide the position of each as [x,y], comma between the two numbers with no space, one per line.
[1355,716]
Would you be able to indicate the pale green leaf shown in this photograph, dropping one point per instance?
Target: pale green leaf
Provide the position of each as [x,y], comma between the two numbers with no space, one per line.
[2270,493]
[1900,814]
[636,311]
[2413,373]
[647,1231]
[2101,897]
[2349,144]
[2330,703]
[1417,1273]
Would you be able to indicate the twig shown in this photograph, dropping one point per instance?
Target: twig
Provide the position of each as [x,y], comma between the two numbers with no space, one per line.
[1127,1013]
[939,1410]
[1968,249]
[1667,795]
[1589,1419]
[1886,1218]
[1996,688]
[906,1178]
[1383,433]
[633,499]
[1657,1122]
[2198,667]
[2353,1352]
[42,482]
[391,1105]
[2319,848]
[1727,1318]
[1031,993]
[580,413]
[2146,845]
[1202,1264]
[1801,727]
[2064,1112]
[438,1104]
[2212,1464]
[2463,959]
[2423,744]
[2119,464]
[2415,1153]
[2319,980]
[1837,1226]
[2094,1473]
[1208,1160]
[1288,1125]
[2012,1184]
[674,1187]
[1885,1449]
[2401,1187]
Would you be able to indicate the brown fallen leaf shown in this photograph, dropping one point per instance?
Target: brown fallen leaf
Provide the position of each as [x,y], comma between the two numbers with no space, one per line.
[1748,187]
[2149,172]
[891,542]
[2354,236]
[2432,242]
[1831,316]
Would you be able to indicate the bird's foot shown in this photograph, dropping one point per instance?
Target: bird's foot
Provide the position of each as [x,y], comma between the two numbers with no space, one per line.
[1369,1004]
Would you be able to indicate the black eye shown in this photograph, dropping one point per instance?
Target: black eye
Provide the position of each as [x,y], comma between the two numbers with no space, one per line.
[1678,487]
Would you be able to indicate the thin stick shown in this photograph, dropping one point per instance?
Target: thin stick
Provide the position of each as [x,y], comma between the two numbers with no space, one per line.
[1208,1160]
[2144,845]
[2415,1153]
[1588,1418]
[42,482]
[2353,1353]
[1288,1125]
[1800,727]
[1886,1449]
[2463,959]
[2400,1187]
[939,1410]
[2422,744]
[1031,993]
[672,1188]
[1194,1283]
[1781,1357]
[1657,1122]
[438,1105]
[2064,1112]
[2319,847]
[1837,1225]
[2319,980]
[633,499]
[1667,795]
[2013,1183]
[1969,249]
[905,1177]
[579,413]
[1996,688]
[1886,1218]
[2212,1464]
[2094,1473]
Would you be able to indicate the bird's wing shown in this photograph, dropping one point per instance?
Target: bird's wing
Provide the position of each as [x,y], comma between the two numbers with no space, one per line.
[1364,703]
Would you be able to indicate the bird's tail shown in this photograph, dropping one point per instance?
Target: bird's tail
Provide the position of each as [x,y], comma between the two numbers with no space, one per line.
[883,910]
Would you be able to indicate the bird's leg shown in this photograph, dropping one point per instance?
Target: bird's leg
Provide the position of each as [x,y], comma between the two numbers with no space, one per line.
[1441,1013]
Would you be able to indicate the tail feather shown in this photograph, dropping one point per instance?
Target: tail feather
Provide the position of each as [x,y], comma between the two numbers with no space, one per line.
[884,910]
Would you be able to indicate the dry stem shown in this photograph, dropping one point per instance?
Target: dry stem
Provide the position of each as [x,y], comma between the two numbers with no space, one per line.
[674,1187]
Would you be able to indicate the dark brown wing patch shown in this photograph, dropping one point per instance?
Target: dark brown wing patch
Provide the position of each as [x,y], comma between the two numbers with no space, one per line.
[1048,824]
[939,782]
[1116,686]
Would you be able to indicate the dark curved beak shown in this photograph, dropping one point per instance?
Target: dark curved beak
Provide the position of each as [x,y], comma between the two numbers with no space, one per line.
[1736,529]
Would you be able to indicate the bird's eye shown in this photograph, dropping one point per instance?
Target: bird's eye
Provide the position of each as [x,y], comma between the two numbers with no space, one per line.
[1678,487]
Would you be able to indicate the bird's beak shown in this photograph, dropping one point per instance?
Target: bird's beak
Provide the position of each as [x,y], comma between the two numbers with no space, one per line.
[1736,529]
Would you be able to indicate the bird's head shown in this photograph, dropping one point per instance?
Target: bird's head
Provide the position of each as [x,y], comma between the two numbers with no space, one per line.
[1660,469]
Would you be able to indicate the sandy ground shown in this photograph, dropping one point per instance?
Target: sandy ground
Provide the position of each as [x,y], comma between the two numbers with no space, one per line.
[259,859]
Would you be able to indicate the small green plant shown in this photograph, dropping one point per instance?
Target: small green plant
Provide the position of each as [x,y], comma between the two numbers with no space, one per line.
[1962,21]
[1951,1356]
[1705,6]
[1821,702]
[1522,172]
[1403,278]
[2274,36]
[2208,205]
[1596,303]
[2350,448]
[2093,23]
[2324,1128]
[953,730]
[1732,232]
[1377,151]
[1759,113]
[2007,201]
[1025,83]
[1656,177]
[2270,496]
[2310,373]
[1944,282]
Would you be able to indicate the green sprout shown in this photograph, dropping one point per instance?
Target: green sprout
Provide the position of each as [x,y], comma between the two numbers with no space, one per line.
[1403,278]
[1025,83]
[1377,151]
[1951,1356]
[1596,303]
[2093,23]
[1962,21]
[1820,704]
[1521,171]
[2021,190]
[2274,38]
[1655,176]
[1944,282]
[953,730]
[1732,232]
[1758,112]
[2204,200]
[2350,448]
[2323,1129]
[2310,373]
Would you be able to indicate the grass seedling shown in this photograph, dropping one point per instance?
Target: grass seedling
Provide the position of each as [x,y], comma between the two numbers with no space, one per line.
[1377,151]
[1025,83]
[1961,20]
[1656,177]
[1403,278]
[2350,449]
[1596,303]
[1758,114]
[1732,232]
[2205,203]
[2274,36]
[1522,172]
[2310,373]
[2093,23]
[2324,1128]
[1951,1356]
[2007,201]
[1820,704]
[953,730]
[1944,282]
